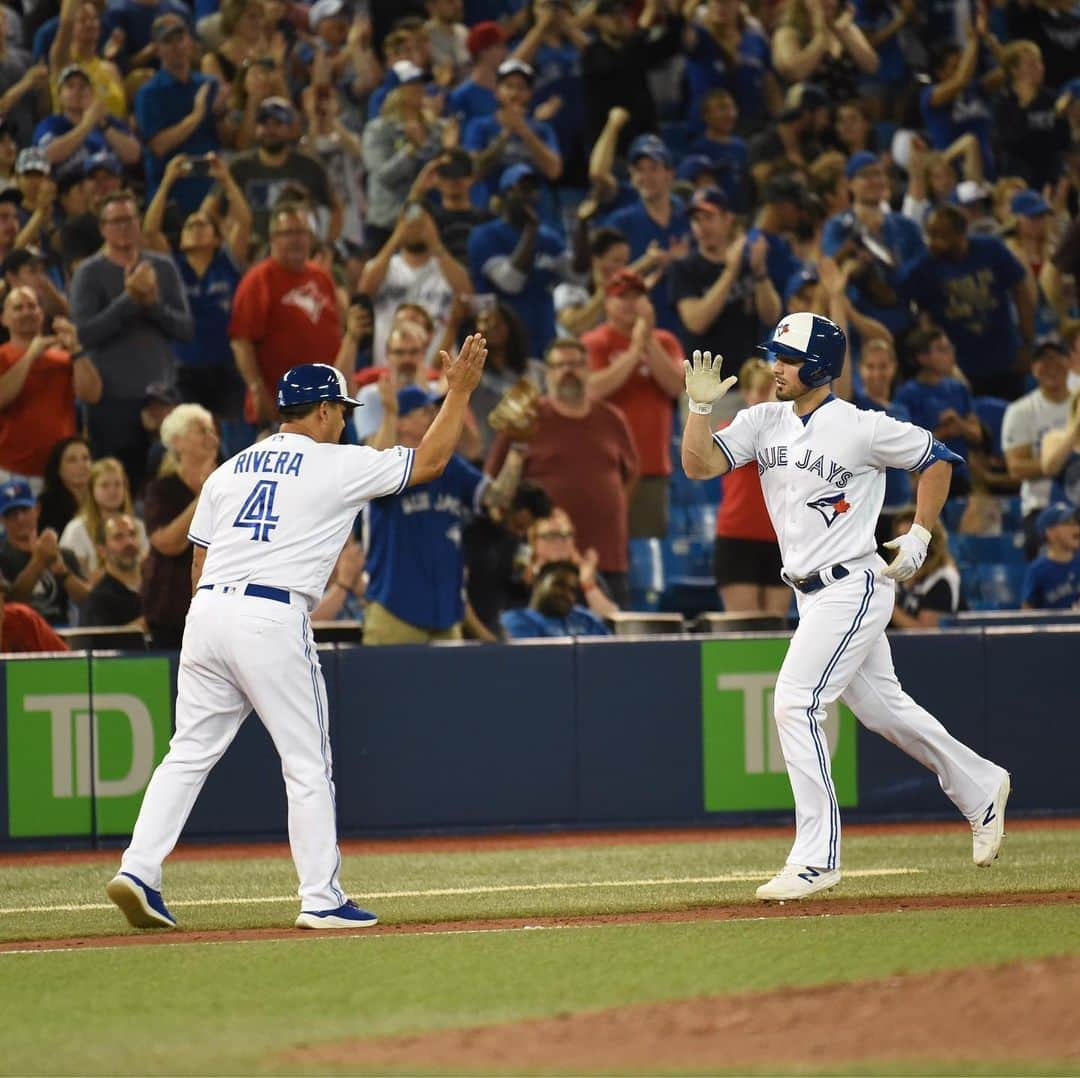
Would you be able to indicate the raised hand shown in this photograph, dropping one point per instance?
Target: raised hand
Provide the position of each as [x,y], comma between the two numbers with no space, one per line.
[910,553]
[704,385]
[463,373]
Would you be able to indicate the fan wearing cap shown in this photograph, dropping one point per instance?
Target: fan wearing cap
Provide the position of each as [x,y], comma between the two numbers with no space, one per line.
[264,173]
[510,136]
[82,38]
[41,377]
[415,561]
[623,45]
[969,285]
[1034,241]
[722,289]
[475,95]
[785,204]
[179,110]
[520,259]
[451,176]
[25,266]
[1052,581]
[637,367]
[83,125]
[656,217]
[406,44]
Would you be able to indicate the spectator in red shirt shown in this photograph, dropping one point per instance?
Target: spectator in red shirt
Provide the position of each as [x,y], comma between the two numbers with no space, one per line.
[746,557]
[285,310]
[638,368]
[40,377]
[583,455]
[23,629]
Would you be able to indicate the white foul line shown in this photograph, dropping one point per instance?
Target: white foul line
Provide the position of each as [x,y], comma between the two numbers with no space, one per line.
[441,892]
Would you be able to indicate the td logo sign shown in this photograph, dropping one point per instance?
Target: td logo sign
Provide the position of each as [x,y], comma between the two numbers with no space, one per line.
[83,738]
[743,761]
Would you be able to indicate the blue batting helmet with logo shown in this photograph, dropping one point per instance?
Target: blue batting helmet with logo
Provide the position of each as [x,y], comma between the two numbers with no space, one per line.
[810,337]
[312,382]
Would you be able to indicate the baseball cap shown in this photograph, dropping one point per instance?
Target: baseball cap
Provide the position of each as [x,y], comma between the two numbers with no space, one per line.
[513,175]
[858,161]
[1049,343]
[515,67]
[696,165]
[21,256]
[785,189]
[167,26]
[1023,204]
[275,108]
[165,392]
[801,98]
[16,494]
[406,72]
[623,281]
[651,146]
[708,200]
[412,397]
[105,159]
[11,194]
[72,69]
[483,36]
[322,10]
[456,163]
[1058,513]
[799,280]
[968,192]
[32,160]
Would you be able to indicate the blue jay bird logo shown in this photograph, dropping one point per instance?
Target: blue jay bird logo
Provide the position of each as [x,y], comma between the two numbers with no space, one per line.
[830,507]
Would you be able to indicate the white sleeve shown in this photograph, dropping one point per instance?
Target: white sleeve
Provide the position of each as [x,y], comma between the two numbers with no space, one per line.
[1016,427]
[895,444]
[738,440]
[367,473]
[201,528]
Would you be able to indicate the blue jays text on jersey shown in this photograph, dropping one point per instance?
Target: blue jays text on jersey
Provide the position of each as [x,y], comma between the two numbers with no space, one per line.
[776,457]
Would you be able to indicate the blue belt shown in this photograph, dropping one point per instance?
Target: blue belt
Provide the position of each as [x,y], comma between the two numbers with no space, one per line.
[815,581]
[258,591]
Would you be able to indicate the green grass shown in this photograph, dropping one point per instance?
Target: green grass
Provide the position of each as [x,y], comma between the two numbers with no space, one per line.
[235,1007]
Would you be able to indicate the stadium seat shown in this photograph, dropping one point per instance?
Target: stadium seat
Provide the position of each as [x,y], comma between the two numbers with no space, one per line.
[974,550]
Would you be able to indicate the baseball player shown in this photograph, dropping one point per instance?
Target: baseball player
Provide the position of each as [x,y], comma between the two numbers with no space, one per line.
[268,528]
[822,464]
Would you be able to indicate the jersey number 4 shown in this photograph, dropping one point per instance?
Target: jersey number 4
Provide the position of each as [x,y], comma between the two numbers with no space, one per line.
[257,512]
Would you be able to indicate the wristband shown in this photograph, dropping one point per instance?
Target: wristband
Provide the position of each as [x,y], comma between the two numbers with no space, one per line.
[920,533]
[700,409]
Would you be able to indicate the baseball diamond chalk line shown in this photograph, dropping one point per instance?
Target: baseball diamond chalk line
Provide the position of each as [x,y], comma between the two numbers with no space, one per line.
[734,877]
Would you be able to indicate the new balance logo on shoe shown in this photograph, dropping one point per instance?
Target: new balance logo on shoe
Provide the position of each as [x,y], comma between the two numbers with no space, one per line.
[989,814]
[809,875]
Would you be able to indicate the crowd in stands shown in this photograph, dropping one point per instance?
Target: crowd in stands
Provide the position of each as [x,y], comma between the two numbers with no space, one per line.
[194,197]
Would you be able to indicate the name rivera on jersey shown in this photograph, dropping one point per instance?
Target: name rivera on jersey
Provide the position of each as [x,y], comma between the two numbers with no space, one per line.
[273,461]
[776,457]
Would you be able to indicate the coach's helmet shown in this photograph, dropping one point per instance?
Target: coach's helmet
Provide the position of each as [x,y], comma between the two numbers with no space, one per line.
[309,383]
[813,338]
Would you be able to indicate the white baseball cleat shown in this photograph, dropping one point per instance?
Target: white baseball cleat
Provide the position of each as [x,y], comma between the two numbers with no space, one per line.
[798,881]
[988,829]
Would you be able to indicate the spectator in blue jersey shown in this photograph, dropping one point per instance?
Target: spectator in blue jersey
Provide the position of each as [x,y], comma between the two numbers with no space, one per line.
[416,567]
[720,116]
[520,259]
[877,372]
[510,136]
[476,95]
[210,257]
[785,202]
[83,125]
[1052,581]
[179,111]
[968,286]
[728,50]
[656,217]
[135,19]
[955,103]
[553,609]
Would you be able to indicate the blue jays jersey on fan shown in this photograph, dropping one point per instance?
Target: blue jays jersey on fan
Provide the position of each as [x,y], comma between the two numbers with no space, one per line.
[414,557]
[1052,585]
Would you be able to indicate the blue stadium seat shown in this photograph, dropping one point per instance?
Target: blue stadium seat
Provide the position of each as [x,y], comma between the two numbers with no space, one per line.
[994,586]
[991,412]
[1012,518]
[951,513]
[975,550]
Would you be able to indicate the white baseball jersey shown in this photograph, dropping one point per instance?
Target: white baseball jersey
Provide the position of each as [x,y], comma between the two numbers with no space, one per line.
[279,513]
[823,475]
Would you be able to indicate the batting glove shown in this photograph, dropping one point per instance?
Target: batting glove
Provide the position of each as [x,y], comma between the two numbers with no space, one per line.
[704,386]
[910,553]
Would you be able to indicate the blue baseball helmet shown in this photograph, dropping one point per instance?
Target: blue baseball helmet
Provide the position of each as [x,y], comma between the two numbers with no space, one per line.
[813,338]
[312,382]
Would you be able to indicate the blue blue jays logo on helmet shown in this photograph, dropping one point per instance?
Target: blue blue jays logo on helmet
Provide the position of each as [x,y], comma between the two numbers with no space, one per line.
[816,340]
[311,382]
[830,507]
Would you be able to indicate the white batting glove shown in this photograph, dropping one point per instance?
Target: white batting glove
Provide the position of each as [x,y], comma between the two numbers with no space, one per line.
[704,386]
[910,553]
